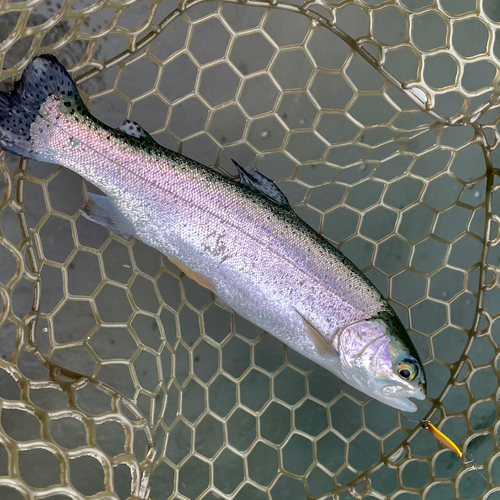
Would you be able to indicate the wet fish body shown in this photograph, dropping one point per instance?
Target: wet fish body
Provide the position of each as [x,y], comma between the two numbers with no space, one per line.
[241,240]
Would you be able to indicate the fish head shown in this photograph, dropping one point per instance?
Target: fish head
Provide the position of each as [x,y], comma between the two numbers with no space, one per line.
[379,359]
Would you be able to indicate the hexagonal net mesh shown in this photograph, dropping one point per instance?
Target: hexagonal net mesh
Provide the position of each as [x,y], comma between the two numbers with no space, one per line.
[121,377]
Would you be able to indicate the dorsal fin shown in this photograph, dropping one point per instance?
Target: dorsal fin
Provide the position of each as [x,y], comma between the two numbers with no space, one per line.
[133,129]
[261,184]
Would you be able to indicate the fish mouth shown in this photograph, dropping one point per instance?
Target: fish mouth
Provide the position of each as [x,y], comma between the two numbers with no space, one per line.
[401,400]
[403,404]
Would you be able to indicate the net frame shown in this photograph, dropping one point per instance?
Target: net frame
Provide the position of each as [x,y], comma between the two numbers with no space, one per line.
[28,251]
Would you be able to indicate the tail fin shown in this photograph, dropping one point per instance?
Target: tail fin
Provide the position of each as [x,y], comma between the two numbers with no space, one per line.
[44,76]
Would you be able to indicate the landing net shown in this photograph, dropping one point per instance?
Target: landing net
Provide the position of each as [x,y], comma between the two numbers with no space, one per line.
[121,378]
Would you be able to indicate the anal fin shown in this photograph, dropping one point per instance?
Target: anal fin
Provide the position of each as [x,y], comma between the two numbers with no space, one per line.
[201,280]
[102,210]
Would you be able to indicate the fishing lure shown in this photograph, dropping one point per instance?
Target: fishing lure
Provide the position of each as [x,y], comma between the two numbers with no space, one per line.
[444,440]
[448,443]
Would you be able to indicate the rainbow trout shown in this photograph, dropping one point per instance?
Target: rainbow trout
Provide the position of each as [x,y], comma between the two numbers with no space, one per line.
[241,240]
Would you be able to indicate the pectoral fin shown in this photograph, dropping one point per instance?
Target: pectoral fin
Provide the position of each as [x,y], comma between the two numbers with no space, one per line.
[323,346]
[201,280]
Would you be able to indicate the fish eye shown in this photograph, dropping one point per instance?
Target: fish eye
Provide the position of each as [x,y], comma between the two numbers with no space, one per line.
[407,369]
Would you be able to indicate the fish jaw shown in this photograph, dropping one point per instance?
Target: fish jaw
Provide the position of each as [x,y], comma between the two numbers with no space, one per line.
[392,396]
[402,403]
